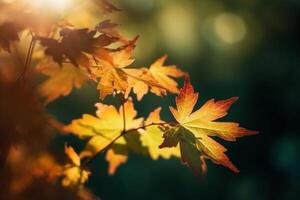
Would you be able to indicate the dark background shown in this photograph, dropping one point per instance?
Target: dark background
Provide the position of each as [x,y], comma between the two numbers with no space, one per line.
[244,48]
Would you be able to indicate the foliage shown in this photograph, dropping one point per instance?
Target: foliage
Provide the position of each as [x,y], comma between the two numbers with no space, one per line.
[71,57]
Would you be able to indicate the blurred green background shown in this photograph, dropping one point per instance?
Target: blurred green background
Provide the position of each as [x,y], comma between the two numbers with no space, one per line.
[244,48]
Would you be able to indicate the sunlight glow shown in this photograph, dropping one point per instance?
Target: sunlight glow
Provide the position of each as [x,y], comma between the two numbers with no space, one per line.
[177,24]
[57,5]
[230,28]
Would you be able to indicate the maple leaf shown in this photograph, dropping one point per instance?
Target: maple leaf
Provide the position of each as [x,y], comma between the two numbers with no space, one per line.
[110,72]
[162,74]
[105,130]
[152,137]
[115,160]
[158,78]
[61,80]
[109,28]
[196,128]
[74,45]
[74,175]
[8,34]
[139,81]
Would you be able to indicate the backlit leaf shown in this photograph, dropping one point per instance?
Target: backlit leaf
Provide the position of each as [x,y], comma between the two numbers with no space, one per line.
[196,128]
[105,128]
[159,78]
[114,160]
[162,74]
[61,80]
[73,174]
[70,152]
[152,138]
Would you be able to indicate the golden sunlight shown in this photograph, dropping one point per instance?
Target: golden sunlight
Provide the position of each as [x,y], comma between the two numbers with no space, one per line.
[57,5]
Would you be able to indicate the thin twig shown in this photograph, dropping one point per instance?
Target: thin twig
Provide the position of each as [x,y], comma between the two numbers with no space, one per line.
[124,117]
[31,53]
[153,124]
[28,58]
[95,60]
[87,162]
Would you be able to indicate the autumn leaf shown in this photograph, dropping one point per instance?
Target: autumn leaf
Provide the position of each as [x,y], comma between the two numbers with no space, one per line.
[162,74]
[108,122]
[108,28]
[61,80]
[139,80]
[72,155]
[75,45]
[115,160]
[74,175]
[8,34]
[105,130]
[110,65]
[195,129]
[151,137]
[158,78]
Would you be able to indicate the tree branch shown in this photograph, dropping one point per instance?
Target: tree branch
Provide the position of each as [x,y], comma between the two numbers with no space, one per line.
[87,162]
[28,58]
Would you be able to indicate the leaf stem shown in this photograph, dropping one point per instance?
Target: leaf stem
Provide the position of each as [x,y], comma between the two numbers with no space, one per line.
[124,117]
[87,162]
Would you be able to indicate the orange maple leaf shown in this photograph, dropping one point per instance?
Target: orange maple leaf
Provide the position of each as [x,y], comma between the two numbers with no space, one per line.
[196,128]
[159,78]
[110,68]
[61,80]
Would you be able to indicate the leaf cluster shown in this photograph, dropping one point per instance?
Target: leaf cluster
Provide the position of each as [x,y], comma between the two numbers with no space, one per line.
[71,57]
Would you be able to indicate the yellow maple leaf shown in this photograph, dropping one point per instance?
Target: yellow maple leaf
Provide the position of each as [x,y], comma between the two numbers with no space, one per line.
[74,175]
[72,155]
[196,128]
[106,128]
[61,80]
[114,160]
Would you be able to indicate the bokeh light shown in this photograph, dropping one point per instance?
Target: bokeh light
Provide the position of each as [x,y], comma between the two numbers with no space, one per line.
[177,24]
[230,28]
